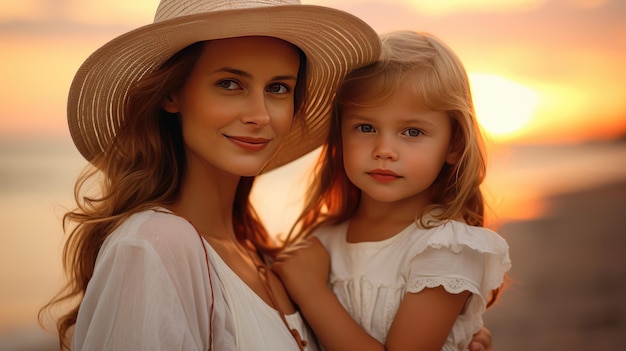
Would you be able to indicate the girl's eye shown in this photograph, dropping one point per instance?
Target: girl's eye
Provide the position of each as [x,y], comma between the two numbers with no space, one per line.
[278,89]
[365,128]
[412,132]
[228,84]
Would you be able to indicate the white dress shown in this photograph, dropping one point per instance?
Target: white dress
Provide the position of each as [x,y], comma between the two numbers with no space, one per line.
[151,291]
[371,278]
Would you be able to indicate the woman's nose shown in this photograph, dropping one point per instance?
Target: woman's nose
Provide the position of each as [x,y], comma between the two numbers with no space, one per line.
[257,112]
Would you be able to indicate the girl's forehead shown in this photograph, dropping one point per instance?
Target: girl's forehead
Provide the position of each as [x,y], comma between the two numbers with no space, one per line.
[375,93]
[402,105]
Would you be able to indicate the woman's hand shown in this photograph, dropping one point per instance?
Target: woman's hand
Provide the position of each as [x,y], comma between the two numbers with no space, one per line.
[482,341]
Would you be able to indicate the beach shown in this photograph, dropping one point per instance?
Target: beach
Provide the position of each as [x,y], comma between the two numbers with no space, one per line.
[569,276]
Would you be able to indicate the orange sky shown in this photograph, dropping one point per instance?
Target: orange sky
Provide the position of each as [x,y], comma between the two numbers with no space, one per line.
[552,70]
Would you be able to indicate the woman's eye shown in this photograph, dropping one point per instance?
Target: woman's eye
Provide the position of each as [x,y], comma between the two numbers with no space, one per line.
[278,89]
[412,132]
[228,84]
[365,128]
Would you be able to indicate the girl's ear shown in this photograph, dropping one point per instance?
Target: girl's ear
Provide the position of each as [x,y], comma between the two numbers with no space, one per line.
[455,151]
[170,104]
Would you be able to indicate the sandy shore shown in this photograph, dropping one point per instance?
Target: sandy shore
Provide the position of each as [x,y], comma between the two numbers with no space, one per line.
[569,269]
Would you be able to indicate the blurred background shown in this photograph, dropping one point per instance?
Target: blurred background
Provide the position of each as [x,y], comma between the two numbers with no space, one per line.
[548,81]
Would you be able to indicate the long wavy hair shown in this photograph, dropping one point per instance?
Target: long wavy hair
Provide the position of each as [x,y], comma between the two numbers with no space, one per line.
[438,78]
[141,169]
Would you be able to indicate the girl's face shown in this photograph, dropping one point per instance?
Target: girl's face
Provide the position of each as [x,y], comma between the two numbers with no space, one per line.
[394,152]
[238,103]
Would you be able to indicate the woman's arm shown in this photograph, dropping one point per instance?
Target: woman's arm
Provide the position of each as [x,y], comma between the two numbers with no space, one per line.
[482,341]
[144,295]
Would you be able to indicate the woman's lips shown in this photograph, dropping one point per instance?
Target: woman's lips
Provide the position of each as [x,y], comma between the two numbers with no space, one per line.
[249,143]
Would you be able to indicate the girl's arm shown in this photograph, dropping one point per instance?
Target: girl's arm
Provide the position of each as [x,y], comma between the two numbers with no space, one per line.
[304,270]
[423,321]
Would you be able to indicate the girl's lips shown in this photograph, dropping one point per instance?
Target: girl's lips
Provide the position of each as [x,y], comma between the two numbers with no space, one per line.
[249,143]
[383,175]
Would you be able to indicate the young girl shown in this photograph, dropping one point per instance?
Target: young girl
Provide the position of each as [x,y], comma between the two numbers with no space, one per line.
[397,209]
[177,117]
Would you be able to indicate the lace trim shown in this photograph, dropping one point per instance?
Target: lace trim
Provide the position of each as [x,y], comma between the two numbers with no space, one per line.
[452,285]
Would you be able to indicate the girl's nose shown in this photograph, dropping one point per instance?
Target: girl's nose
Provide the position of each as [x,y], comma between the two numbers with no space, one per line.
[384,150]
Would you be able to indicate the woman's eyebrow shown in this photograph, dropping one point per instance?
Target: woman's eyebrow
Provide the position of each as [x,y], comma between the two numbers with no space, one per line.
[233,71]
[248,75]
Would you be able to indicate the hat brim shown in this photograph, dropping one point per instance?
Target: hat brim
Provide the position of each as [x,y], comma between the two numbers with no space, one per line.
[333,41]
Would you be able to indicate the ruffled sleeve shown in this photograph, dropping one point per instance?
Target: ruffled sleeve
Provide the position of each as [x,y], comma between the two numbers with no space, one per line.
[459,258]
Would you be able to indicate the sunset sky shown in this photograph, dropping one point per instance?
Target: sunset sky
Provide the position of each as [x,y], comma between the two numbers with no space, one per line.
[542,70]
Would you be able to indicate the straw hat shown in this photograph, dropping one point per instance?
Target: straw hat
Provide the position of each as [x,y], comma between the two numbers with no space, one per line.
[334,42]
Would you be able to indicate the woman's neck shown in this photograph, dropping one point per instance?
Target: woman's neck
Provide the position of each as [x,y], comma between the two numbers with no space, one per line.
[206,200]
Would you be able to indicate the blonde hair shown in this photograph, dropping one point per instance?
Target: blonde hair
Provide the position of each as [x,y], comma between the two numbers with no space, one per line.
[140,170]
[440,81]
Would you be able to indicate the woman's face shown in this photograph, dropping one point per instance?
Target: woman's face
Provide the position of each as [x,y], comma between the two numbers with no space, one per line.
[238,103]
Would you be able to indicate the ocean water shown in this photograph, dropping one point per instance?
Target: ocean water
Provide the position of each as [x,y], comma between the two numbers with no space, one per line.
[36,181]
[37,178]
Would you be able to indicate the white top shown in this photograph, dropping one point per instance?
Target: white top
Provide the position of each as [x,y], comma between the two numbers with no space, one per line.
[370,279]
[151,291]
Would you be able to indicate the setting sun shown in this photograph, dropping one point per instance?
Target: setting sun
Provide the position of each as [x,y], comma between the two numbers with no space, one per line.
[503,107]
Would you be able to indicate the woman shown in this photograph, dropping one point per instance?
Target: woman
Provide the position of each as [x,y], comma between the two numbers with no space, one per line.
[177,117]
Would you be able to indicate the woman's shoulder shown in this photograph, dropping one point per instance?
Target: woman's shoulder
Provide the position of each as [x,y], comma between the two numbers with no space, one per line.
[156,229]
